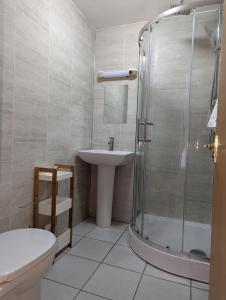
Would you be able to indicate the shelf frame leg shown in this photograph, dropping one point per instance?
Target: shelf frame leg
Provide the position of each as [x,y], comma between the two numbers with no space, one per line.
[54,197]
[72,204]
[36,198]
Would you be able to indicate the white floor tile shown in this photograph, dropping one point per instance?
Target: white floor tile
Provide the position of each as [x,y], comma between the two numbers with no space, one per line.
[199,294]
[92,249]
[152,271]
[83,228]
[54,291]
[151,288]
[120,226]
[124,257]
[124,240]
[72,270]
[200,285]
[114,283]
[75,239]
[87,296]
[105,234]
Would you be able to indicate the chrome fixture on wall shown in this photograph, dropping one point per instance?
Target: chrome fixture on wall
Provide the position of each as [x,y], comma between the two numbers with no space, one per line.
[111,143]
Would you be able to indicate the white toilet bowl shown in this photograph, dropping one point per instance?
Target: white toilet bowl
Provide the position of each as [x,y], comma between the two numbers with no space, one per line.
[25,255]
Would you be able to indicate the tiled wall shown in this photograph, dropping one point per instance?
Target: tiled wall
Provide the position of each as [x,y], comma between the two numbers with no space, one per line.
[47,110]
[116,48]
[46,99]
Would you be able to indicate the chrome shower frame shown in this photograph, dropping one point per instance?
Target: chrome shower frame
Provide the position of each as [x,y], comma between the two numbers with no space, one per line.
[178,263]
[175,10]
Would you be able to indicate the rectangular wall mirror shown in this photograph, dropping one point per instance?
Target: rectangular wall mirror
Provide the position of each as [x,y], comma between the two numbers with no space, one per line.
[115,104]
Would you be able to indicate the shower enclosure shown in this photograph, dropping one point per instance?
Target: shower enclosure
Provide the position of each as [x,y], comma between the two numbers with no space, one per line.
[178,85]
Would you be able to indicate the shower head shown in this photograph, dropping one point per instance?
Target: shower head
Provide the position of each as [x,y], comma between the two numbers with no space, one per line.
[184,12]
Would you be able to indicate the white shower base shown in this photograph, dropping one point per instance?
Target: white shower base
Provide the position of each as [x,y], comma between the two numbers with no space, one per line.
[168,232]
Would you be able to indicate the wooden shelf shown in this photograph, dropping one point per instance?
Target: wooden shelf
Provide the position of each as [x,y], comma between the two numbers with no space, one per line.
[61,175]
[62,205]
[63,236]
[55,204]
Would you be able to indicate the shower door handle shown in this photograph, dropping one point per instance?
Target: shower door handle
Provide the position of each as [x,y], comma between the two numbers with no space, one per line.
[138,131]
[147,123]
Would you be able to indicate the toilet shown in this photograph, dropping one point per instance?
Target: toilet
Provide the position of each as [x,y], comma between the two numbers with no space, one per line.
[25,256]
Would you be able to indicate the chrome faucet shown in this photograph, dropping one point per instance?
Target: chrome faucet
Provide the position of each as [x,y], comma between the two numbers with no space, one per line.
[111,143]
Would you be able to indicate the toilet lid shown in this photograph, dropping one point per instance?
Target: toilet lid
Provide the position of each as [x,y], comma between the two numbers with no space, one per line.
[19,248]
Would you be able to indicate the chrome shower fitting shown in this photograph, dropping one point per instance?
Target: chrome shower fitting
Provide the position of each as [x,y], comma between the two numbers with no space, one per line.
[111,143]
[185,12]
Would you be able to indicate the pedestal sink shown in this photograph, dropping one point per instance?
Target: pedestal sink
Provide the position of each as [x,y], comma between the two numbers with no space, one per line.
[106,162]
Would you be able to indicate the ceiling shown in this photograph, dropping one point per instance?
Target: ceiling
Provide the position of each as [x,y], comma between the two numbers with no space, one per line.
[105,13]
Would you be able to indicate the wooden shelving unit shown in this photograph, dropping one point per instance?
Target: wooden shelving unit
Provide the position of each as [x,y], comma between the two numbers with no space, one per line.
[54,205]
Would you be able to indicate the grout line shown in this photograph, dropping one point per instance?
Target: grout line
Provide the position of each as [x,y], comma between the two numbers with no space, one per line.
[197,288]
[200,288]
[91,294]
[188,285]
[90,259]
[90,238]
[12,138]
[96,239]
[62,283]
[134,296]
[121,268]
[91,276]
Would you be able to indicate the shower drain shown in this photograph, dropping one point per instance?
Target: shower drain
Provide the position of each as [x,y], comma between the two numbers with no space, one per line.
[198,252]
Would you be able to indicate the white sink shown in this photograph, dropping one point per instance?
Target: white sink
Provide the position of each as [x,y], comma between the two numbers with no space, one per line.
[106,158]
[106,162]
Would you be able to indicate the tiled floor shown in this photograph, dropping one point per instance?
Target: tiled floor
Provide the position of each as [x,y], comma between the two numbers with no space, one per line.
[102,266]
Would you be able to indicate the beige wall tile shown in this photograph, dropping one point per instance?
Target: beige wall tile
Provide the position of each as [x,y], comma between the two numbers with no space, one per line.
[46,47]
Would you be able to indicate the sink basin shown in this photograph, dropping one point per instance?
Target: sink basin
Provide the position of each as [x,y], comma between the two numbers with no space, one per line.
[106,162]
[107,158]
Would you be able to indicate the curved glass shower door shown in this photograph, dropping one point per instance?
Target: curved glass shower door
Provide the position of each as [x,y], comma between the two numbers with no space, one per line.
[168,109]
[179,59]
[143,96]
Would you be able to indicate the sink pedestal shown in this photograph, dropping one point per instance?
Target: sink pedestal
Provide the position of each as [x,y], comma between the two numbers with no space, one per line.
[106,161]
[105,190]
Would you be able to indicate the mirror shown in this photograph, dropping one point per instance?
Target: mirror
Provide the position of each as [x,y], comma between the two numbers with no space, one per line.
[115,104]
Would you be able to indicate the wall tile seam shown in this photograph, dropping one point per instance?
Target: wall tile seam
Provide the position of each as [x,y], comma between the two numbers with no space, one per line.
[13,116]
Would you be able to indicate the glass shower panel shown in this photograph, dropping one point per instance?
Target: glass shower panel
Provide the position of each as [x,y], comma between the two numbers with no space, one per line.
[199,172]
[141,109]
[167,108]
